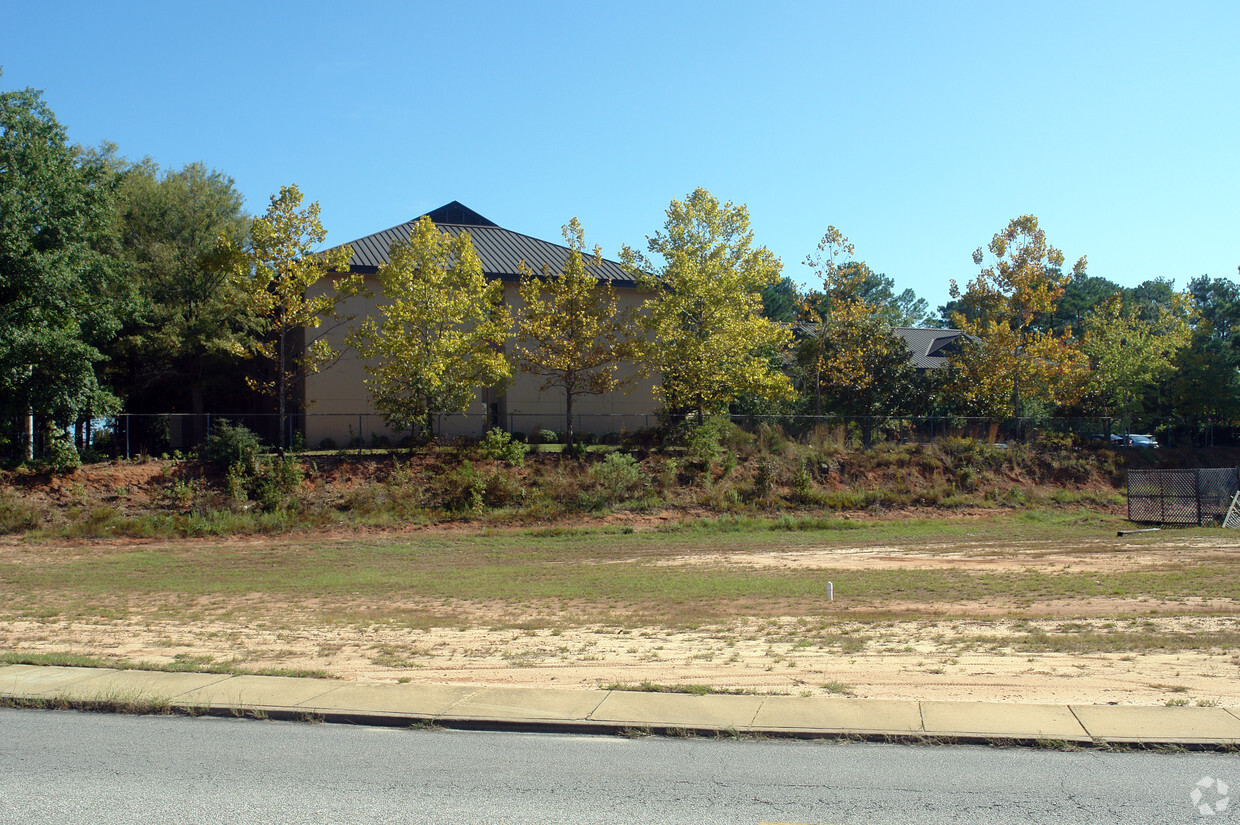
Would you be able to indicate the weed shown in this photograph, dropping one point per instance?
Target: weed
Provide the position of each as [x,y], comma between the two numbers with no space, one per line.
[498,445]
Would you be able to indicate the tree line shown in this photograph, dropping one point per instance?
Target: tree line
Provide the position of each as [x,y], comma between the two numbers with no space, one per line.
[124,285]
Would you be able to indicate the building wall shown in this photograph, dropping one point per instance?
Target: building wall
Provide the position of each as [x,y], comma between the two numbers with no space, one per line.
[339,408]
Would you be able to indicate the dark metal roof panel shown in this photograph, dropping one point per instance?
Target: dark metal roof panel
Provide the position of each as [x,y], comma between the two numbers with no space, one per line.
[500,250]
[928,348]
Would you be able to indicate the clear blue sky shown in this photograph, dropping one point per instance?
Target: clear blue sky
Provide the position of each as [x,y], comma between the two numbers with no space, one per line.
[918,129]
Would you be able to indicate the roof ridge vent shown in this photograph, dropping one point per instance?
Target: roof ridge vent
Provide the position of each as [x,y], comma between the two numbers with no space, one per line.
[458,213]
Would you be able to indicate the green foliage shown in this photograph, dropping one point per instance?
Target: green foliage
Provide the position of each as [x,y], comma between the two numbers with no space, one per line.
[190,320]
[440,334]
[283,267]
[619,477]
[569,331]
[708,338]
[462,489]
[275,483]
[849,357]
[1129,353]
[62,457]
[231,445]
[498,445]
[58,286]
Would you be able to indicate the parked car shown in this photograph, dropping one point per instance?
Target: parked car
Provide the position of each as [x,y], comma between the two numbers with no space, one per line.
[1141,442]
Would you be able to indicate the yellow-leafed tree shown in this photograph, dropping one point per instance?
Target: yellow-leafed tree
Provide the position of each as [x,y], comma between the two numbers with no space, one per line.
[708,338]
[440,334]
[1010,361]
[282,265]
[569,330]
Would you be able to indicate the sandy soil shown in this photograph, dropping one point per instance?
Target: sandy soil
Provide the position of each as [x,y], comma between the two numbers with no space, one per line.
[897,660]
[985,657]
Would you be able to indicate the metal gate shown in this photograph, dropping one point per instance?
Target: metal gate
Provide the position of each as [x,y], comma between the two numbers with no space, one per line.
[1199,496]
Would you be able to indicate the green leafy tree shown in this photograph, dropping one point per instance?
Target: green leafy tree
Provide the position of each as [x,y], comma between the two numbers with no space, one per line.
[1128,354]
[1206,379]
[192,314]
[782,301]
[895,309]
[569,331]
[848,349]
[56,278]
[1010,361]
[283,266]
[439,335]
[708,338]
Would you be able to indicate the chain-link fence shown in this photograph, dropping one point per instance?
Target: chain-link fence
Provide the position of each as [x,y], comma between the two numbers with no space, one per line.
[1183,496]
[131,434]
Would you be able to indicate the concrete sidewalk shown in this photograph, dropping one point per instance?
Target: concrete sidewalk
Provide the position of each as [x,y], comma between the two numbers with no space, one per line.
[600,711]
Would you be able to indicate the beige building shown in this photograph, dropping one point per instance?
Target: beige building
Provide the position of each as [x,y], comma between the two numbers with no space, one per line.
[338,407]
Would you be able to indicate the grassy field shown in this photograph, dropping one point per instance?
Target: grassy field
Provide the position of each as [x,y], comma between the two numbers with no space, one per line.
[1044,605]
[679,576]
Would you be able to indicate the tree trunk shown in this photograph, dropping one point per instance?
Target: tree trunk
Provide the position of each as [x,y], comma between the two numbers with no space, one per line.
[568,428]
[29,433]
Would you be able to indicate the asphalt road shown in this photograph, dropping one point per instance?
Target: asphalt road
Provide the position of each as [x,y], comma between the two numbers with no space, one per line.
[67,768]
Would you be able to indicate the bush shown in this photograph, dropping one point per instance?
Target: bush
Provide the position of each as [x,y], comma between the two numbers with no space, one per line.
[502,488]
[544,437]
[463,489]
[62,456]
[618,476]
[764,477]
[230,444]
[709,441]
[500,446]
[271,485]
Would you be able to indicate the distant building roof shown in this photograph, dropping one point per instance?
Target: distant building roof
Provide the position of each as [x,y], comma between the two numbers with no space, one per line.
[500,250]
[928,348]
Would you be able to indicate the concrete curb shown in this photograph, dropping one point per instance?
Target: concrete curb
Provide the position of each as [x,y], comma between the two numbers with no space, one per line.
[467,707]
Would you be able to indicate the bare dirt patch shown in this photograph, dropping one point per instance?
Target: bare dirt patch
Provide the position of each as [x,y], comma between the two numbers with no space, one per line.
[1142,648]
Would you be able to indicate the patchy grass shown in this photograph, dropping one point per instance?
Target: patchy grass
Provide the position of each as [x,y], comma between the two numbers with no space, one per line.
[607,575]
[180,664]
[693,690]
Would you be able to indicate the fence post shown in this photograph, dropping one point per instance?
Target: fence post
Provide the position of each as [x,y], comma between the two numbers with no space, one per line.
[1198,497]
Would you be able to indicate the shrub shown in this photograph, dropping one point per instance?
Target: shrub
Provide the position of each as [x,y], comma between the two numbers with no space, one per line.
[502,488]
[62,456]
[618,476]
[230,444]
[500,446]
[463,489]
[276,483]
[713,440]
[544,437]
[764,477]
